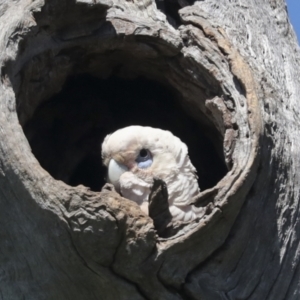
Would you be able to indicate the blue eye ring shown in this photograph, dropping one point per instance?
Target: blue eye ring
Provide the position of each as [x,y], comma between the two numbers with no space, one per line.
[144,159]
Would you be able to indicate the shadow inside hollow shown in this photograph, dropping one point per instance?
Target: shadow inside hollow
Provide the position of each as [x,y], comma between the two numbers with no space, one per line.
[66,132]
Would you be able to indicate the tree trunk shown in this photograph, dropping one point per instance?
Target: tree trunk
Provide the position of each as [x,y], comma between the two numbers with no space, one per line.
[233,69]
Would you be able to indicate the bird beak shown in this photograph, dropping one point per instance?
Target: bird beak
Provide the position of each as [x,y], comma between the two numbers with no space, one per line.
[115,170]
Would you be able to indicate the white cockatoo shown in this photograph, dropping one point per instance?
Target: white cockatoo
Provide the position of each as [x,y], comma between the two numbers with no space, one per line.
[135,155]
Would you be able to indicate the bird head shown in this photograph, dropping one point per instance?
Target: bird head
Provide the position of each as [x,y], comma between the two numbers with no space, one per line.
[144,151]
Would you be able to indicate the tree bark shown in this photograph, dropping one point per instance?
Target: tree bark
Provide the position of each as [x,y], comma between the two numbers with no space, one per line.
[235,65]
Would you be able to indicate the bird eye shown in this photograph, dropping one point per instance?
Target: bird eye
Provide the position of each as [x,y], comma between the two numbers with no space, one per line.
[144,159]
[144,153]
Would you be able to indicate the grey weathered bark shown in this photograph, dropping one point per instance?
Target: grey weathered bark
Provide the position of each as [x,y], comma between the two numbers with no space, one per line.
[235,65]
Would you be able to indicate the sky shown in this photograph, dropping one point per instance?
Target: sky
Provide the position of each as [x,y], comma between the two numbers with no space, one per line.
[294,14]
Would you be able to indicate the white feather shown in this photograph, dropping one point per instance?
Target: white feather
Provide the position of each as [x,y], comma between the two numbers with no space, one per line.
[171,163]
